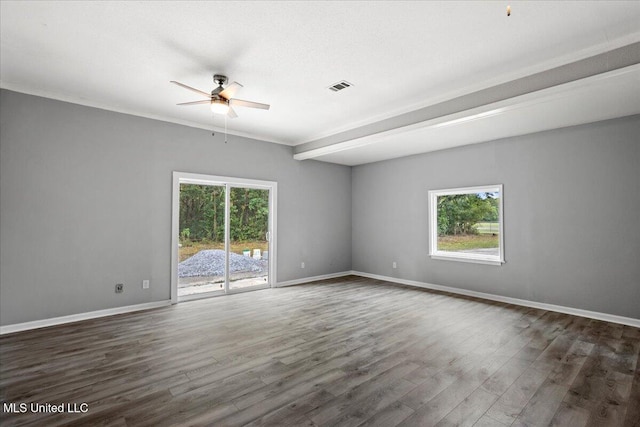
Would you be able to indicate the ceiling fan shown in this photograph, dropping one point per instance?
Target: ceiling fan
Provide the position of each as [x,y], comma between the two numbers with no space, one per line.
[222,99]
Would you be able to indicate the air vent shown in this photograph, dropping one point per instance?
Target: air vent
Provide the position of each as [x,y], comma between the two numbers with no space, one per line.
[340,85]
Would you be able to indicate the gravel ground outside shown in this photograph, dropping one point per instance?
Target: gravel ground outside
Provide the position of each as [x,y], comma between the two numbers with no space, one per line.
[210,262]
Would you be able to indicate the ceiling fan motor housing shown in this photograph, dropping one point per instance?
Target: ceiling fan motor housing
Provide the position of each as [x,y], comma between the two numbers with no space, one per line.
[220,79]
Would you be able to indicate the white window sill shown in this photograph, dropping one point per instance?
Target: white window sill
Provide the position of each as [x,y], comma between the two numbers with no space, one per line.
[477,259]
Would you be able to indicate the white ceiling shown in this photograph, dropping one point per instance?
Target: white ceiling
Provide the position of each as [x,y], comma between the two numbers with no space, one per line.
[601,97]
[400,56]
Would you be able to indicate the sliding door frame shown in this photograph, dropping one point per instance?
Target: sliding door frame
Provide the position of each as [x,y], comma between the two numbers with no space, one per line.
[227,182]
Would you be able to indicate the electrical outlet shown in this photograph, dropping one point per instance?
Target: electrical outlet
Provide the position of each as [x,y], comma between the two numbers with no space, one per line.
[145,284]
[395,265]
[119,288]
[302,264]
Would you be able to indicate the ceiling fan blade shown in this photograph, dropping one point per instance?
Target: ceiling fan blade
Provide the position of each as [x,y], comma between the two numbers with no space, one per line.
[230,90]
[204,101]
[231,113]
[191,88]
[243,103]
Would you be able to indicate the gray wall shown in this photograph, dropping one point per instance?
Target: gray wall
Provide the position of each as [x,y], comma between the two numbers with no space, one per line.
[571,216]
[85,202]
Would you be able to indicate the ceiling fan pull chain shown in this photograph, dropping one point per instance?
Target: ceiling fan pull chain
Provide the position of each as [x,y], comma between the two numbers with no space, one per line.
[225,128]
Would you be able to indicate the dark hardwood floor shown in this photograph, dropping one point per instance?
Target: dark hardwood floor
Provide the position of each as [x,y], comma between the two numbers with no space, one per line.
[342,352]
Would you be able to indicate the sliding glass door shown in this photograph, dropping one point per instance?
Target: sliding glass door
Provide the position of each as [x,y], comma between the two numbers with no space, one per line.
[201,236]
[223,235]
[248,237]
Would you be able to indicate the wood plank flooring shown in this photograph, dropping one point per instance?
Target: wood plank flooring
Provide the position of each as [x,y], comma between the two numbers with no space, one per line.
[342,352]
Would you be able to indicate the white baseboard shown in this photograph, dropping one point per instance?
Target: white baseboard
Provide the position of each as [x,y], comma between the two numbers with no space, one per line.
[8,329]
[492,297]
[630,321]
[312,279]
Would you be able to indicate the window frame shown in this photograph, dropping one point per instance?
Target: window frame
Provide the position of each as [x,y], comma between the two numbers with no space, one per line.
[434,253]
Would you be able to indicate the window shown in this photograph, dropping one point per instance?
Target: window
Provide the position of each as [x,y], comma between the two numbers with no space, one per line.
[466,224]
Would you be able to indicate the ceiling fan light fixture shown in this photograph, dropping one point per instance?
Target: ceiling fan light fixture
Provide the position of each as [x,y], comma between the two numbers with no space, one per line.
[218,106]
[221,99]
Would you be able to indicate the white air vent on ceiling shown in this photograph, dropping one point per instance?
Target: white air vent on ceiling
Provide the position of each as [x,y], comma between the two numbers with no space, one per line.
[340,85]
